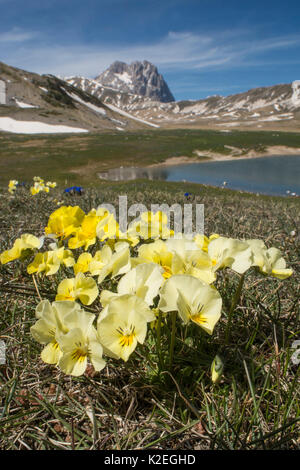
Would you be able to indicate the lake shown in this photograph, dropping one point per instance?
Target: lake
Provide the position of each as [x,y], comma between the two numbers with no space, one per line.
[274,175]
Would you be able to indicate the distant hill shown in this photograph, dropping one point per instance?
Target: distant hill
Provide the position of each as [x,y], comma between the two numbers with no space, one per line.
[32,103]
[273,107]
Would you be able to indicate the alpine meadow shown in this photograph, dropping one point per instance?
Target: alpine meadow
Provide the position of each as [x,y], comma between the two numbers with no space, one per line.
[149,229]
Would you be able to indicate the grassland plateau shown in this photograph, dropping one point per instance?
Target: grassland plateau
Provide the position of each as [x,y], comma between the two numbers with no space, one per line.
[256,403]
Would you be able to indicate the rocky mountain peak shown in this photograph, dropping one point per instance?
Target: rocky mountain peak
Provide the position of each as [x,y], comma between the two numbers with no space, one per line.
[138,78]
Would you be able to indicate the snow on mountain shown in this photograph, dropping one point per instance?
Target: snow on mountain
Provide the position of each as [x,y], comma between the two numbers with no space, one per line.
[138,78]
[128,87]
[124,100]
[34,127]
[52,105]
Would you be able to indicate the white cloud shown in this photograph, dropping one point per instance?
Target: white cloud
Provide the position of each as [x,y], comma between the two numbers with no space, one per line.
[177,51]
[16,35]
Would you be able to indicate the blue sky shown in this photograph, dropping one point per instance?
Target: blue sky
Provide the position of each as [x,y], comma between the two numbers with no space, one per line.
[202,47]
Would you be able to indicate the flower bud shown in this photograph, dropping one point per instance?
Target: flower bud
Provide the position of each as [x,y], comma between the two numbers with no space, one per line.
[216,369]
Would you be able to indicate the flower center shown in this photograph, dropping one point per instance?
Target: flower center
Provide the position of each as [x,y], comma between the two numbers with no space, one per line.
[127,335]
[79,354]
[198,317]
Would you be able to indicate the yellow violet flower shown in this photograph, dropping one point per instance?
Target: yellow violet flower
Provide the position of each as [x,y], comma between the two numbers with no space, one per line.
[79,344]
[12,186]
[119,262]
[269,261]
[101,258]
[83,288]
[189,259]
[50,325]
[107,227]
[258,249]
[85,235]
[151,225]
[202,241]
[50,261]
[275,265]
[26,242]
[192,299]
[144,281]
[51,185]
[123,324]
[155,252]
[38,187]
[230,253]
[83,263]
[64,221]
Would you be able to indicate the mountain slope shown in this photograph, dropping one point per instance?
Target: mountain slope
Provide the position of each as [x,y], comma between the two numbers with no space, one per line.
[273,107]
[84,105]
[32,103]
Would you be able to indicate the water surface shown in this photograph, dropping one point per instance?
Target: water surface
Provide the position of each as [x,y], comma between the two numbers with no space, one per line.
[275,175]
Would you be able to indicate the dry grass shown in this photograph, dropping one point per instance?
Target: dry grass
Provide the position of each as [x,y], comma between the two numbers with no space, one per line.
[132,405]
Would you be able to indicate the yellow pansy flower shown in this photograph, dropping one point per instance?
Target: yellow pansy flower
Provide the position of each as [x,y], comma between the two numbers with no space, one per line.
[101,258]
[119,262]
[189,259]
[192,299]
[123,324]
[51,185]
[83,288]
[83,263]
[275,264]
[202,241]
[50,261]
[230,253]
[12,186]
[155,252]
[144,281]
[80,344]
[50,325]
[151,225]
[85,235]
[269,261]
[26,242]
[107,227]
[64,221]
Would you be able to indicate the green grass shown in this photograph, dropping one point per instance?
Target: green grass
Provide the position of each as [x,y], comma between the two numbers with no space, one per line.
[22,157]
[131,406]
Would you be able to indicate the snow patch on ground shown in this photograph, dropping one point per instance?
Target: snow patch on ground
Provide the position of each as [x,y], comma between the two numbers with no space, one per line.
[123,113]
[34,127]
[280,117]
[198,108]
[231,113]
[229,124]
[24,105]
[95,108]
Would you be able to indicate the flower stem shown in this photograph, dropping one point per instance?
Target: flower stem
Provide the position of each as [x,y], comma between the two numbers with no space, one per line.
[234,302]
[172,343]
[158,340]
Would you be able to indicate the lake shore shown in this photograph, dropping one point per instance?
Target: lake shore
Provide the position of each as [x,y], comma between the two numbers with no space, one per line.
[235,154]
